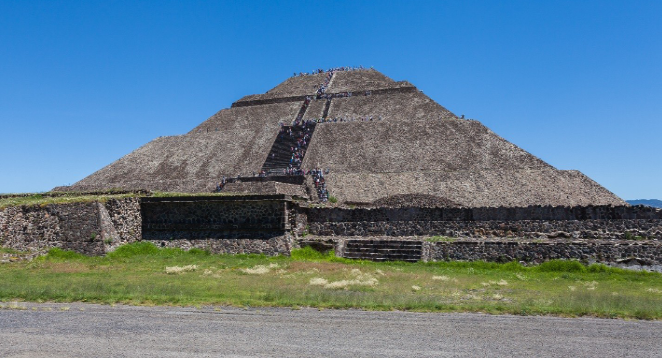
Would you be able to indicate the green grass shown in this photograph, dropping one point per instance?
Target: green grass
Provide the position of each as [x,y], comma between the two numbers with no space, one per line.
[440,238]
[44,199]
[5,250]
[143,274]
[73,197]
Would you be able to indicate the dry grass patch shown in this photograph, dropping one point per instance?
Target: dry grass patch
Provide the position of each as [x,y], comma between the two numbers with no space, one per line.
[68,267]
[326,267]
[259,269]
[135,275]
[176,270]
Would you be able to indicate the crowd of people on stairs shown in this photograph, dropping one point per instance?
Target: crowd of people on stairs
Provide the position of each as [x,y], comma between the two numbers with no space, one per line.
[333,69]
[323,86]
[342,119]
[221,184]
[317,173]
[320,184]
[298,150]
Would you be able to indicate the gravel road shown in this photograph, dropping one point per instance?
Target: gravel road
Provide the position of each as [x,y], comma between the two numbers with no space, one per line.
[84,330]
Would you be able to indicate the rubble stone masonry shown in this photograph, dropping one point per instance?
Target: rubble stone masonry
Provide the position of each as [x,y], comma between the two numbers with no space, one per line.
[268,223]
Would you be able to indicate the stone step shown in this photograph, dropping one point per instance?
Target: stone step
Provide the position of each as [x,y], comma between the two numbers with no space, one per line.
[378,246]
[280,154]
[384,258]
[384,250]
[382,254]
[385,244]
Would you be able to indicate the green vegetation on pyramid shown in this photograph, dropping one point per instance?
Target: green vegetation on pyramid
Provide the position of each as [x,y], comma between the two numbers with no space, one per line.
[375,136]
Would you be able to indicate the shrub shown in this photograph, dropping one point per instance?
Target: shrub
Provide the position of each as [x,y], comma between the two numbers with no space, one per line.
[200,252]
[309,254]
[561,266]
[595,268]
[333,199]
[59,254]
[134,249]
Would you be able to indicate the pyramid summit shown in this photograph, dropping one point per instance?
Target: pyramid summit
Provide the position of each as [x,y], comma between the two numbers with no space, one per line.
[372,137]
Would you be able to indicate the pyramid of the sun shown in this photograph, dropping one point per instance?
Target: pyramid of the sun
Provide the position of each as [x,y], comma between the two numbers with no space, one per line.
[412,146]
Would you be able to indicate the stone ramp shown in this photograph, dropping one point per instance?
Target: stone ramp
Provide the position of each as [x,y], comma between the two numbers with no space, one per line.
[384,250]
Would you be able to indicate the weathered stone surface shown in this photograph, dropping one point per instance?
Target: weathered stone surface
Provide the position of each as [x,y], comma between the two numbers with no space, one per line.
[616,252]
[268,187]
[277,245]
[475,188]
[233,141]
[412,146]
[396,107]
[598,222]
[536,252]
[360,81]
[268,224]
[66,226]
[220,224]
[124,221]
[414,201]
[223,225]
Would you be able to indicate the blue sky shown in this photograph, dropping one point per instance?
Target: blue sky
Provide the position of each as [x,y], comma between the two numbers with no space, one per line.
[576,83]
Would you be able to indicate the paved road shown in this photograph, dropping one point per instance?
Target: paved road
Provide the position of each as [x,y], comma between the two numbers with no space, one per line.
[82,330]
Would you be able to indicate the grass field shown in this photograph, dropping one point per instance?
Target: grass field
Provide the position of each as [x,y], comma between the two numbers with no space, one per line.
[146,275]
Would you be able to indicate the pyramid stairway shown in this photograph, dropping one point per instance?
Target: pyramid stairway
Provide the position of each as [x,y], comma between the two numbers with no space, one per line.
[384,250]
[281,152]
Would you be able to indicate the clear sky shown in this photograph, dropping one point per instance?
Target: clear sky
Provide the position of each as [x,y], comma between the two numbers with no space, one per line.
[576,83]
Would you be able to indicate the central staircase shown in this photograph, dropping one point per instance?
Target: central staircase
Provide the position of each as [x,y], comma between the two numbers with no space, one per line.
[384,250]
[281,151]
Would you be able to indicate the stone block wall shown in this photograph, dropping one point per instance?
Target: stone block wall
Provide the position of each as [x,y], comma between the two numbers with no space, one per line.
[266,224]
[265,187]
[249,224]
[647,253]
[598,222]
[257,224]
[252,214]
[124,217]
[88,228]
[275,245]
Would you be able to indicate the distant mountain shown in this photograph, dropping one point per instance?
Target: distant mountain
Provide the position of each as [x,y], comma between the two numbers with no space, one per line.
[649,202]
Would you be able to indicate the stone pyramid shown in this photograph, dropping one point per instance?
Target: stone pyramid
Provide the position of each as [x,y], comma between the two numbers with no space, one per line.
[378,138]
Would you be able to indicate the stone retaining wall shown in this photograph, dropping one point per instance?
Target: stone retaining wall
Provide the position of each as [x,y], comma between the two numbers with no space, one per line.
[90,228]
[277,245]
[264,224]
[577,229]
[249,224]
[595,222]
[124,217]
[557,213]
[257,224]
[646,253]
